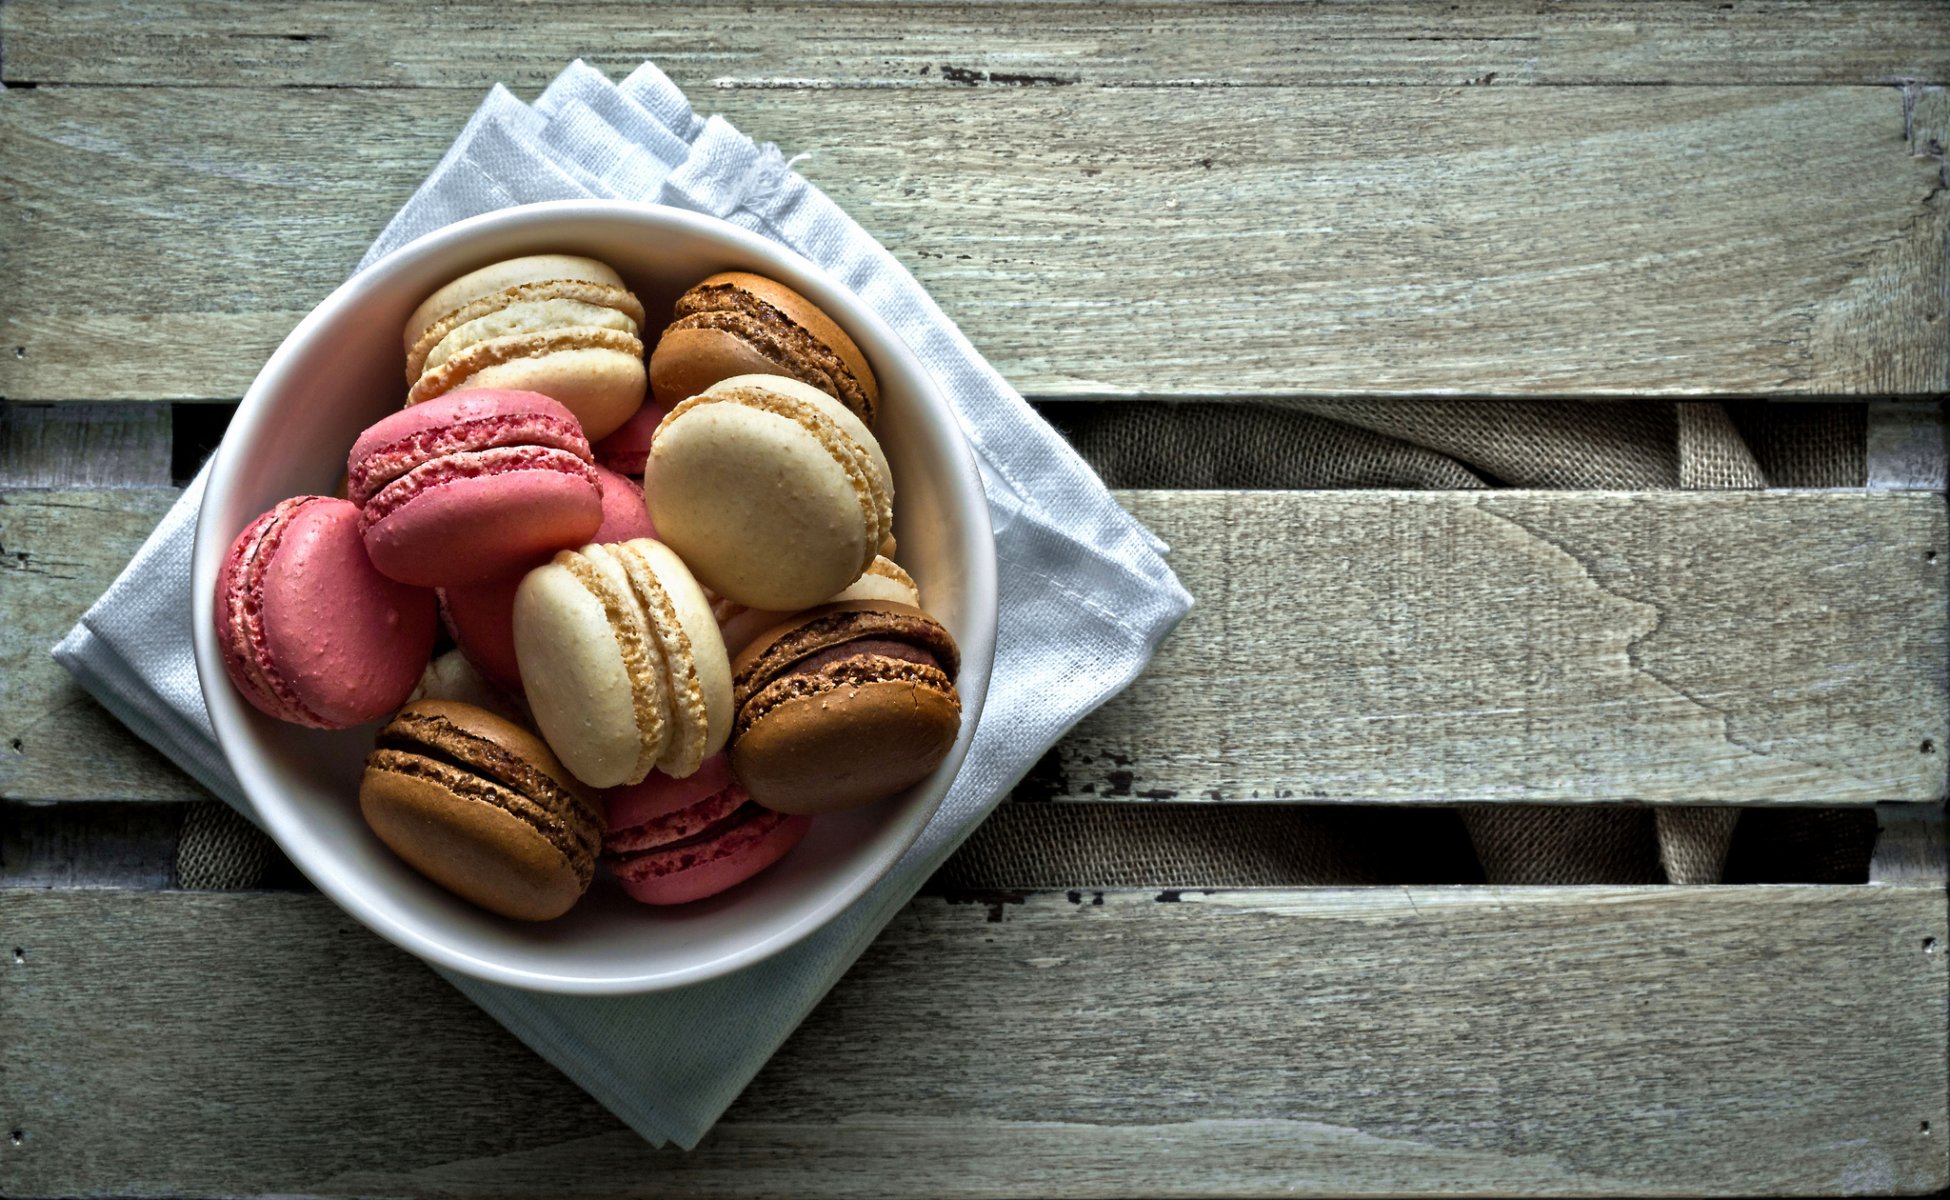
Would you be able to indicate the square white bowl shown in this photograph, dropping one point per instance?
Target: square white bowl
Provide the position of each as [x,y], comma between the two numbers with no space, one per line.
[341,369]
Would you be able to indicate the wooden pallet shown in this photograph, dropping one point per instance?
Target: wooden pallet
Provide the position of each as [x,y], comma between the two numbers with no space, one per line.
[1365,201]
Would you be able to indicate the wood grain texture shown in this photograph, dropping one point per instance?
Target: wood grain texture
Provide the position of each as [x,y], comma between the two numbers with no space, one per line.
[1656,1041]
[58,552]
[1781,648]
[1538,647]
[908,45]
[84,445]
[1146,242]
[1910,847]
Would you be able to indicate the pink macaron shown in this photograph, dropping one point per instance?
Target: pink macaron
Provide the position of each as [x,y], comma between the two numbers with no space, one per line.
[627,450]
[480,616]
[311,632]
[672,841]
[474,485]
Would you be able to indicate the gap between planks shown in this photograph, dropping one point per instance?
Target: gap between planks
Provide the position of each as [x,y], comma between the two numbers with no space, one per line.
[1436,647]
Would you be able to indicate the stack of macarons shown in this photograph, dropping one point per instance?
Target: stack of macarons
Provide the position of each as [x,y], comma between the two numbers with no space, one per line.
[680,631]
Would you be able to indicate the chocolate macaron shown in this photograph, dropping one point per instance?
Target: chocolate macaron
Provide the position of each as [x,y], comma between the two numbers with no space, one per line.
[737,323]
[481,807]
[843,705]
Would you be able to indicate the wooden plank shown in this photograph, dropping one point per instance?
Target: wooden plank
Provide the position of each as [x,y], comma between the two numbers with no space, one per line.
[1907,449]
[1732,648]
[1537,647]
[1910,846]
[58,552]
[472,45]
[1576,1041]
[84,445]
[1764,241]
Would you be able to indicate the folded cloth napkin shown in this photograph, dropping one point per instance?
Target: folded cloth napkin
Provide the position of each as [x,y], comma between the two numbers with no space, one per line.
[1085,596]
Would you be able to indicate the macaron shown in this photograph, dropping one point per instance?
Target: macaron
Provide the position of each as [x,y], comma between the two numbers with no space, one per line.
[480,616]
[311,633]
[883,580]
[558,324]
[627,449]
[843,705]
[473,486]
[451,676]
[773,493]
[478,805]
[622,662]
[671,841]
[737,323]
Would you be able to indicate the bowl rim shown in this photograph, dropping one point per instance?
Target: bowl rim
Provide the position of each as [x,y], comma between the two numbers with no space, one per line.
[226,707]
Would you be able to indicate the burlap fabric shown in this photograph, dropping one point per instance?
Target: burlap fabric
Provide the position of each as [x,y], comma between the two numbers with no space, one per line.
[1417,444]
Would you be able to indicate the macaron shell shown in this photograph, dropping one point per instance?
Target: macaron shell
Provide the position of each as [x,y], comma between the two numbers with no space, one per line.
[659,795]
[627,450]
[760,508]
[479,852]
[624,516]
[710,661]
[451,676]
[602,385]
[807,316]
[481,619]
[499,277]
[575,678]
[477,527]
[845,747]
[884,580]
[344,642]
[687,361]
[693,873]
[854,428]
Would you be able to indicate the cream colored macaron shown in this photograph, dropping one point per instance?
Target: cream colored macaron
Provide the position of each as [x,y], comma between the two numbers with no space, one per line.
[622,661]
[557,324]
[772,492]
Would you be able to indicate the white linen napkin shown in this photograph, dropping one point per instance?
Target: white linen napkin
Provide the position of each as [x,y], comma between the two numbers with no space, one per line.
[1085,596]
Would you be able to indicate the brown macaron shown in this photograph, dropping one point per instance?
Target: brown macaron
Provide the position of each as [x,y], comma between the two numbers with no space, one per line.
[736,323]
[843,705]
[481,807]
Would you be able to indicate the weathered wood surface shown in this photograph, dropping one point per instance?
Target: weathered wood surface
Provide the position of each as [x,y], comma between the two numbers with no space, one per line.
[1658,1041]
[59,550]
[1910,848]
[84,445]
[1907,447]
[1540,647]
[1780,648]
[1144,241]
[909,45]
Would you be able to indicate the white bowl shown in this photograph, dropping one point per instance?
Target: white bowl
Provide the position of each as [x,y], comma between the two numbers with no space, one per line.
[342,369]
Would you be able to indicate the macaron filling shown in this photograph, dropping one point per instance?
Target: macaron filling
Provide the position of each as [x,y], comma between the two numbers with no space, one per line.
[682,825]
[495,351]
[434,749]
[746,825]
[854,671]
[474,464]
[839,637]
[734,310]
[583,290]
[530,316]
[381,465]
